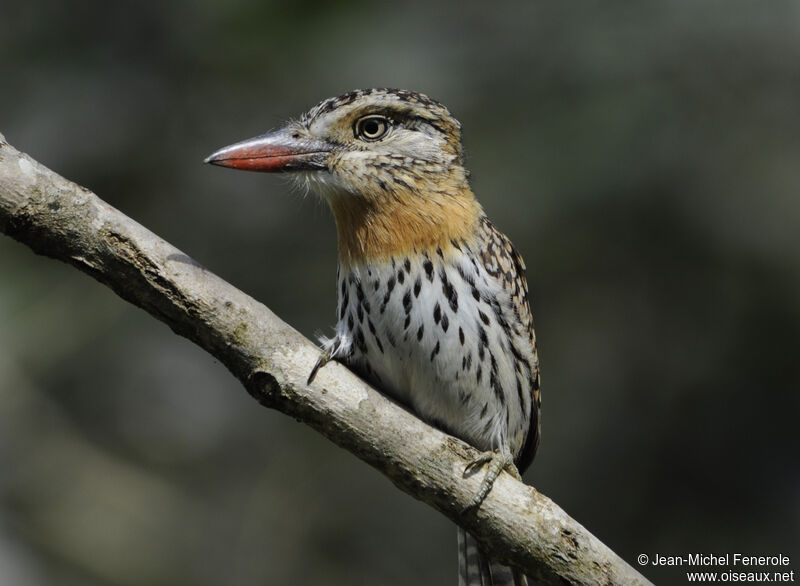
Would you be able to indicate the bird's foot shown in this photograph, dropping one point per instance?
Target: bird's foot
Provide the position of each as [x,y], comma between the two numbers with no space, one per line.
[324,359]
[496,461]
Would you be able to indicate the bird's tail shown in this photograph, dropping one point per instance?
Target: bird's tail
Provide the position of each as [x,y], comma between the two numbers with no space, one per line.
[475,569]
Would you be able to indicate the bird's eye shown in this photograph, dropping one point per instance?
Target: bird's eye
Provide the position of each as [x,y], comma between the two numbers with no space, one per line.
[372,127]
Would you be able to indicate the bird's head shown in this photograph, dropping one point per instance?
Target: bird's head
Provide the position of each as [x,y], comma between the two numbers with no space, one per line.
[382,158]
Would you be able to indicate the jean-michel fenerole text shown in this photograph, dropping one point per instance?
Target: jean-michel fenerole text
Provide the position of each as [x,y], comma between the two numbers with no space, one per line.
[722,560]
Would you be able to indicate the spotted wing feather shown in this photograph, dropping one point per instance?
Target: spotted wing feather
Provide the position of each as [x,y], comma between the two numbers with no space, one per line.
[502,260]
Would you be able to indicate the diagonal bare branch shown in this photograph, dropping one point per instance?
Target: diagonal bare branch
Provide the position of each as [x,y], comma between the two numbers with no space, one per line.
[517,524]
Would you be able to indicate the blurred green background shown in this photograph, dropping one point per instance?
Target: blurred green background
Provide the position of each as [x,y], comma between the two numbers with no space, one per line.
[642,156]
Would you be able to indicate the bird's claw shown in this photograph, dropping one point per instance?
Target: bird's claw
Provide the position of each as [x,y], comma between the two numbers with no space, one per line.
[324,358]
[497,461]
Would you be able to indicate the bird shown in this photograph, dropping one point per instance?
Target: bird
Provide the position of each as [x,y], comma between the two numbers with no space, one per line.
[432,299]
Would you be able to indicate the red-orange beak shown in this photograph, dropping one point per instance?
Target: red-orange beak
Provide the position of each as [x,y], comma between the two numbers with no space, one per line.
[282,150]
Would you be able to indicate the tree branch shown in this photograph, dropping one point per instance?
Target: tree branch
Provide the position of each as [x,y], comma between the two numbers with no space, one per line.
[516,523]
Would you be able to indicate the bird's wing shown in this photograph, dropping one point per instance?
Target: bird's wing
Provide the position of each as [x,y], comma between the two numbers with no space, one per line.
[505,263]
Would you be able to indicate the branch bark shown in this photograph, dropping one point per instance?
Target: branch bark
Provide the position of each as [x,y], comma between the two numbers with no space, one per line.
[517,524]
